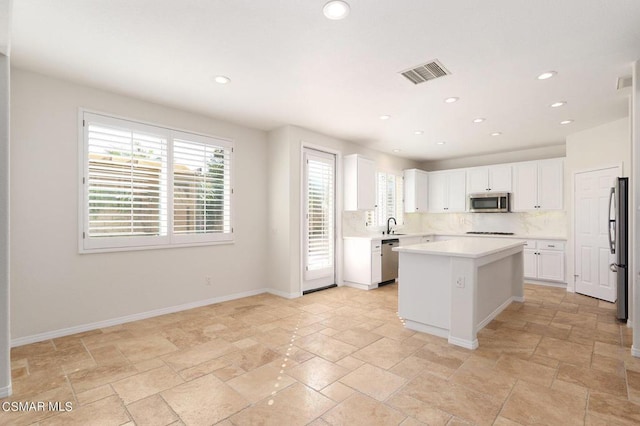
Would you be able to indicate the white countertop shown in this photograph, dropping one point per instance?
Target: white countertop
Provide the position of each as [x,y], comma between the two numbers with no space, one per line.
[379,237]
[463,247]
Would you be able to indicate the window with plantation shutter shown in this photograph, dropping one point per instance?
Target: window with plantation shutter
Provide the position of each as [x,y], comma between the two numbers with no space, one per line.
[201,188]
[147,186]
[389,203]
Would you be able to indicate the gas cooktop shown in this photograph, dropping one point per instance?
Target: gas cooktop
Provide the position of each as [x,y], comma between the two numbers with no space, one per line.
[489,233]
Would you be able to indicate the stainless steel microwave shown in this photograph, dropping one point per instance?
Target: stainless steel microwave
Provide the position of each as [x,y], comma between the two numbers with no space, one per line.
[489,202]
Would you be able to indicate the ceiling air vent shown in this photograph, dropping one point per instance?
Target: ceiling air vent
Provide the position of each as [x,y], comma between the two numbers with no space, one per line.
[425,72]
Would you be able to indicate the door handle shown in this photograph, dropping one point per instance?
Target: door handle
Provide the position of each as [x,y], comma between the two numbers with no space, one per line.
[613,267]
[612,223]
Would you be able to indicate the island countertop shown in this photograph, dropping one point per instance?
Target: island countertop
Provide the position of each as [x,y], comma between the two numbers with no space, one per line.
[463,247]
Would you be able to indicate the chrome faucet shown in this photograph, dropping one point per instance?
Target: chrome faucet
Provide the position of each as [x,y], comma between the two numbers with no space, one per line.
[389,227]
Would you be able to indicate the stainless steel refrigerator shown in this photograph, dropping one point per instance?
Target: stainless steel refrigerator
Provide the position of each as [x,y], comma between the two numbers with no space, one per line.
[619,241]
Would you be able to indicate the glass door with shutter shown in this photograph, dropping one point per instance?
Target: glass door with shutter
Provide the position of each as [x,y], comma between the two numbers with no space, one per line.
[319,219]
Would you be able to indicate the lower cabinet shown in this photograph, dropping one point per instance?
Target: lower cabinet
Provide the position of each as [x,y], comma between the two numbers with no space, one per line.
[362,261]
[544,260]
[376,262]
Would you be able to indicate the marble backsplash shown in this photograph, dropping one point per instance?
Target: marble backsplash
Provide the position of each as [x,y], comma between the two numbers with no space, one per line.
[551,223]
[355,223]
[532,224]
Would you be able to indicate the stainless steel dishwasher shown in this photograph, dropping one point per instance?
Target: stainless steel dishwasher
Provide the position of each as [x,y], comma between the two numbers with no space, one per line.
[389,261]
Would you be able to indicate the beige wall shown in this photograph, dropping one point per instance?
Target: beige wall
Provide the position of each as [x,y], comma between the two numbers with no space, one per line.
[542,153]
[53,287]
[602,146]
[285,157]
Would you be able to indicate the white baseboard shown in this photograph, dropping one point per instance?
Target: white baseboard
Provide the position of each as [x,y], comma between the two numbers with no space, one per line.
[282,293]
[546,283]
[467,344]
[129,318]
[360,286]
[424,328]
[635,352]
[5,391]
[518,299]
[496,312]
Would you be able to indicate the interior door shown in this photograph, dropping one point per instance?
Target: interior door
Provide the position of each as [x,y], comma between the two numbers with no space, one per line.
[319,219]
[591,226]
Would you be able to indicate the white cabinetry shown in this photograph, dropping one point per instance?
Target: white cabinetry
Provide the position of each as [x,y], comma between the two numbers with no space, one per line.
[538,185]
[362,262]
[489,179]
[376,262]
[447,192]
[416,186]
[544,260]
[359,183]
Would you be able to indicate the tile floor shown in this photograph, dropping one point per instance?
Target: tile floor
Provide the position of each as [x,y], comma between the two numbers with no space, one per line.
[337,357]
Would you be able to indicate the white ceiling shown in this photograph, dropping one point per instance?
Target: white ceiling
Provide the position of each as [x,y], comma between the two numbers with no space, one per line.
[291,65]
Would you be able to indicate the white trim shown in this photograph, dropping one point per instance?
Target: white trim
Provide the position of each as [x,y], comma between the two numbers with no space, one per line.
[5,391]
[171,239]
[547,283]
[635,352]
[282,293]
[482,324]
[360,286]
[337,227]
[424,328]
[467,344]
[129,318]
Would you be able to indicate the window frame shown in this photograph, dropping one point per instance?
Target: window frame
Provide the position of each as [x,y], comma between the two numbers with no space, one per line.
[373,215]
[170,240]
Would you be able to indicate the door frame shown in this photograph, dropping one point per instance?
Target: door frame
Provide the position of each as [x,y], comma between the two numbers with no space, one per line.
[337,261]
[571,274]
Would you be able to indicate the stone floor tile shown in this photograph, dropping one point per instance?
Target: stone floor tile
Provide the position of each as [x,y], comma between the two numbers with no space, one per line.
[152,411]
[535,404]
[296,405]
[317,373]
[362,410]
[145,384]
[204,401]
[373,381]
[107,411]
[260,383]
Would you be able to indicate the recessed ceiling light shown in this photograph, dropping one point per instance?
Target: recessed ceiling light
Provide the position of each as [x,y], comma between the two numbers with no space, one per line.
[546,75]
[397,150]
[496,133]
[336,9]
[418,132]
[221,79]
[558,104]
[478,120]
[451,100]
[441,143]
[566,122]
[384,117]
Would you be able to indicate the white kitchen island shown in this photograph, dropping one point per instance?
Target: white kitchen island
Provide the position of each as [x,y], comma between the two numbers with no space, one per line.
[454,288]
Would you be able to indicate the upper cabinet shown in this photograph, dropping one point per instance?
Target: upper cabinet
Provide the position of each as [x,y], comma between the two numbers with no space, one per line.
[538,185]
[415,191]
[447,191]
[359,183]
[489,179]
